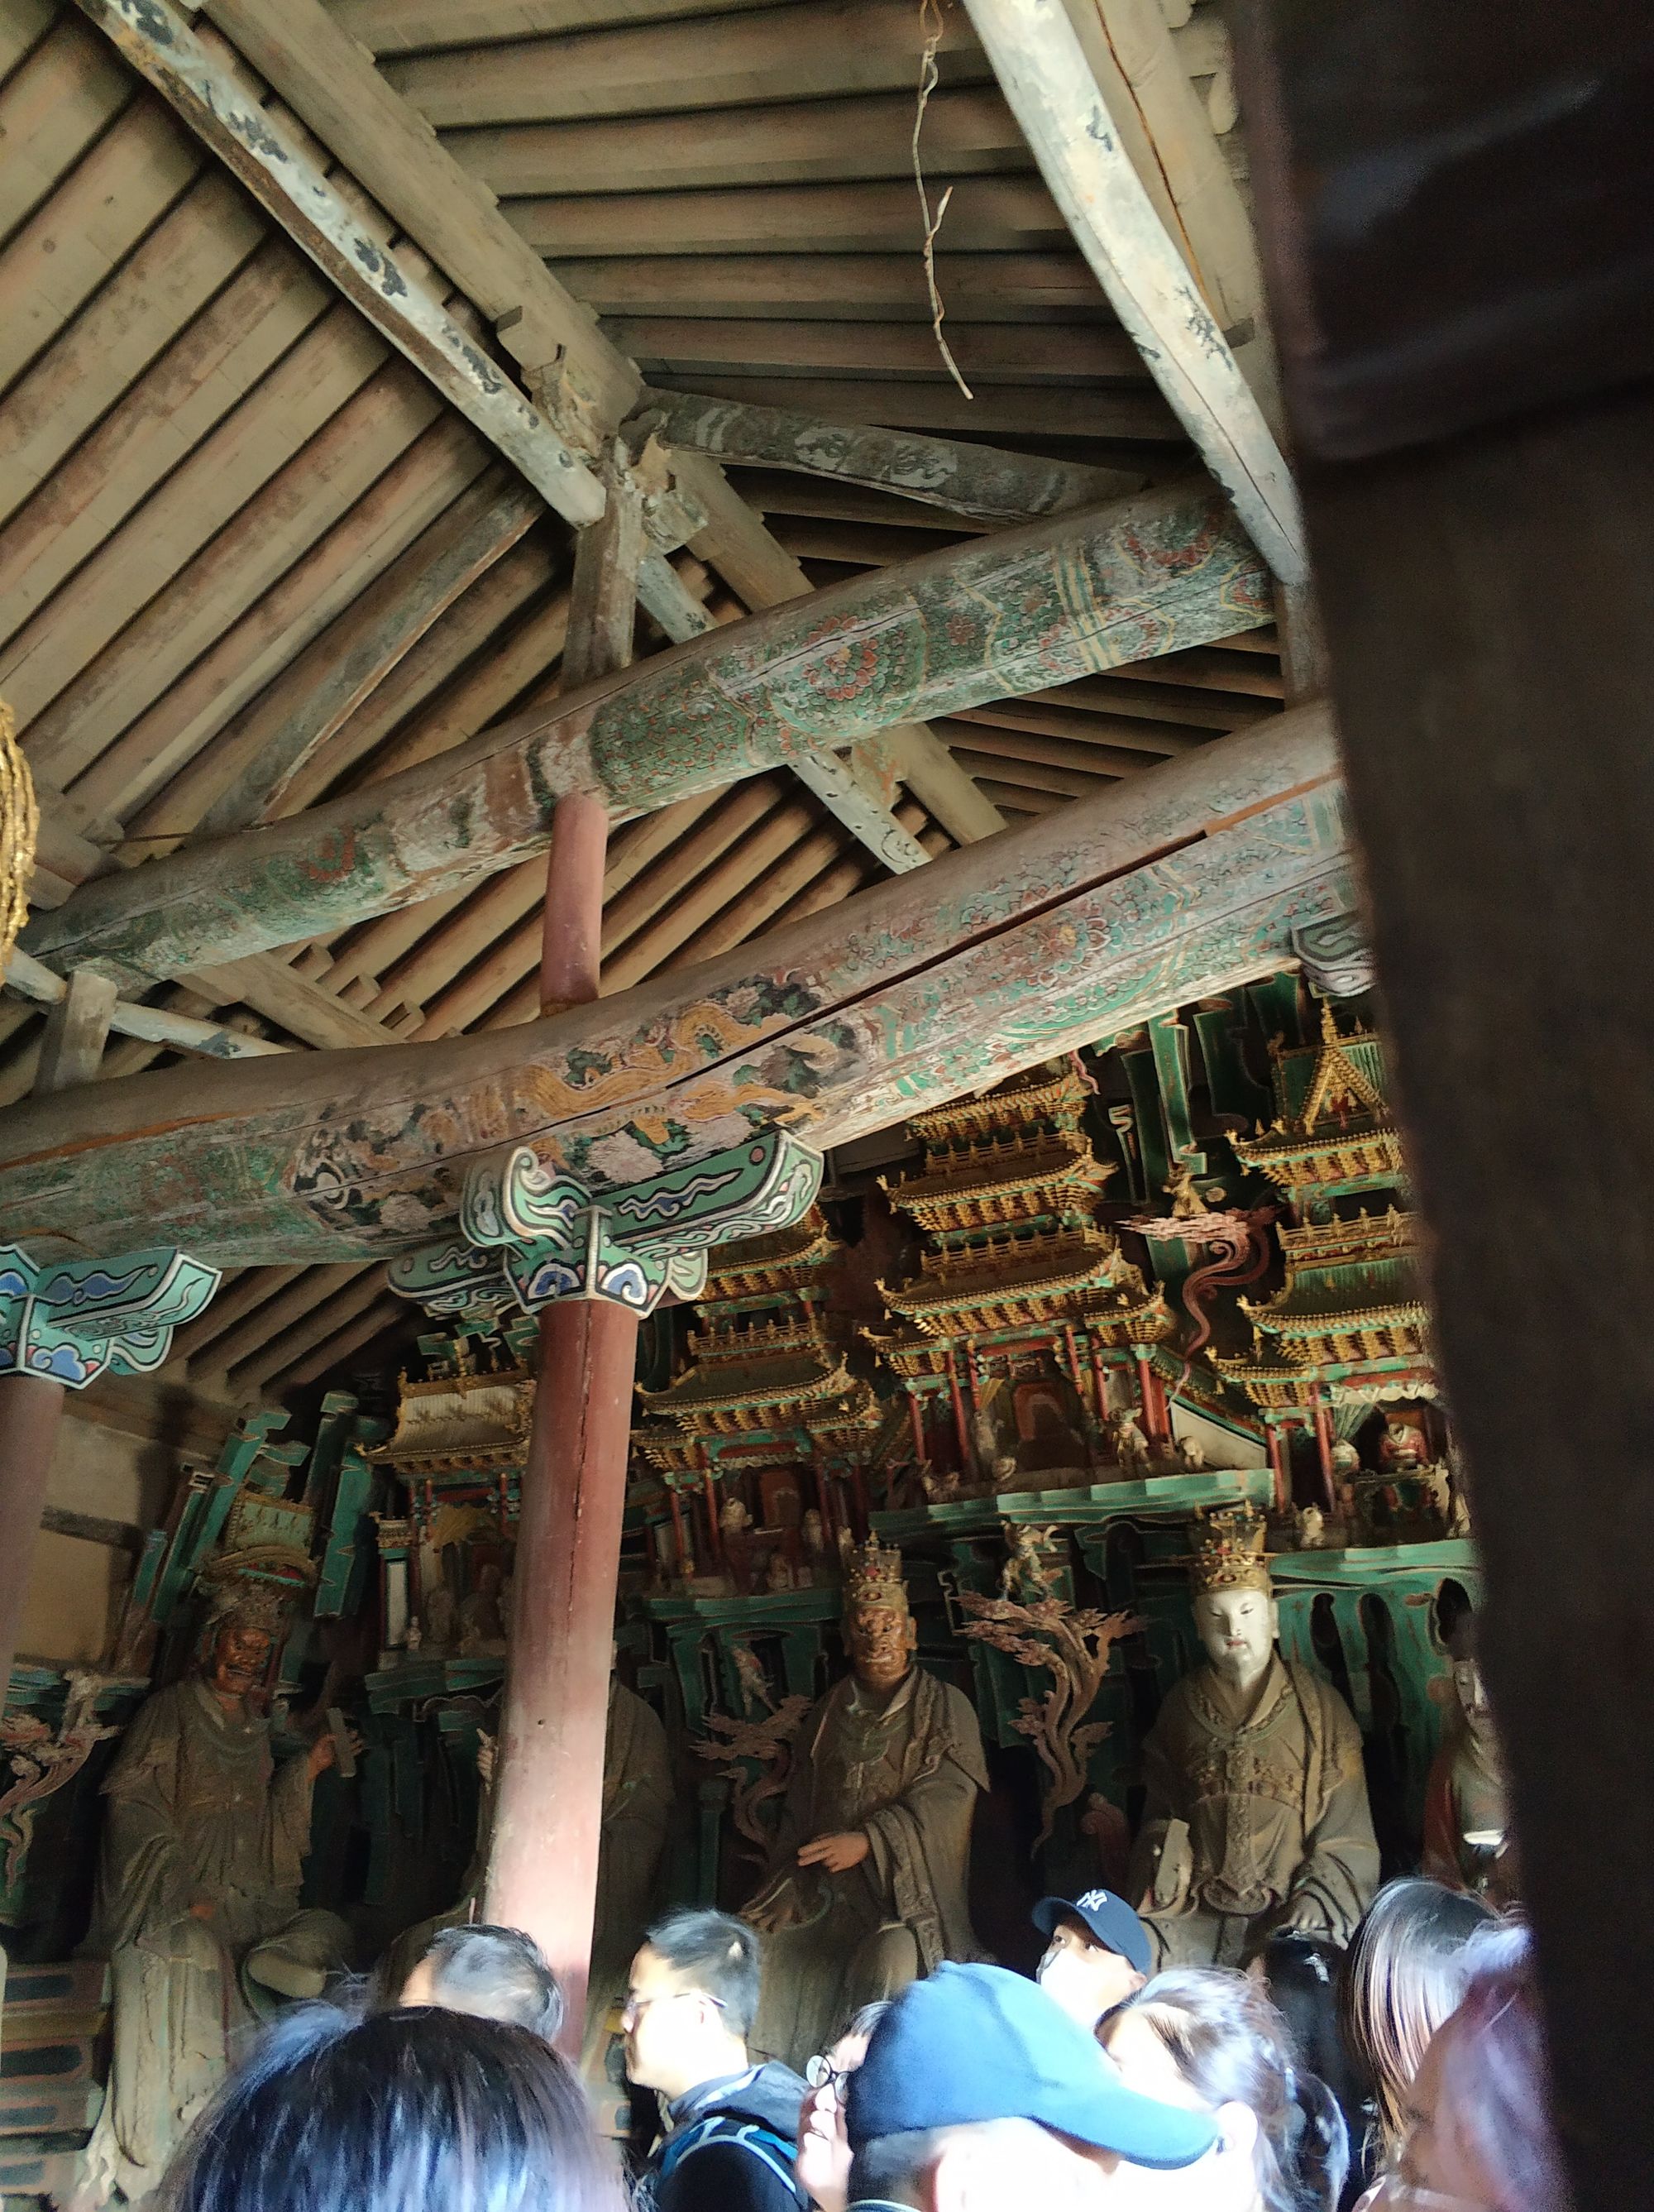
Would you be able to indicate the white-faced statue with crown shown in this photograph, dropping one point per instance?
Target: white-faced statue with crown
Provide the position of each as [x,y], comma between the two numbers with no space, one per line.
[1256,1817]
[1235,1612]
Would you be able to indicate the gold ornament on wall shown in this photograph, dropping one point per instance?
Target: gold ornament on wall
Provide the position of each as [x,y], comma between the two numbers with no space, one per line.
[20,828]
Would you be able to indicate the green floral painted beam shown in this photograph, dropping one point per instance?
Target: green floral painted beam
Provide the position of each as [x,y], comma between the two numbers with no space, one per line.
[996,616]
[1188,878]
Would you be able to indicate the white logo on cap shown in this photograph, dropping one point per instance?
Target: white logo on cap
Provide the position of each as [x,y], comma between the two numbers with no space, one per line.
[1092,1899]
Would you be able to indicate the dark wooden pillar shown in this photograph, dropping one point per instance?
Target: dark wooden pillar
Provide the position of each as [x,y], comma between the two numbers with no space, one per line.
[1467,365]
[30,1411]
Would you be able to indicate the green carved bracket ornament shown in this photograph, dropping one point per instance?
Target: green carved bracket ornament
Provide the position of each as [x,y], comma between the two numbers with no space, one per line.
[70,1320]
[532,1236]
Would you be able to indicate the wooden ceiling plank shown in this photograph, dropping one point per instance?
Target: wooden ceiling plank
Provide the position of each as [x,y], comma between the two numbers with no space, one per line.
[982,481]
[252,1287]
[265,1321]
[313,491]
[22,26]
[1036,776]
[1207,668]
[260,979]
[737,812]
[1095,412]
[373,948]
[98,213]
[1019,798]
[839,882]
[449,950]
[1005,214]
[981,287]
[292,186]
[690,345]
[774,491]
[417,477]
[1074,132]
[387,1313]
[266,747]
[967,129]
[1037,717]
[785,826]
[475,648]
[396,25]
[320,1326]
[214,483]
[929,772]
[851,46]
[767,894]
[118,360]
[1125,702]
[513,956]
[56,98]
[1048,751]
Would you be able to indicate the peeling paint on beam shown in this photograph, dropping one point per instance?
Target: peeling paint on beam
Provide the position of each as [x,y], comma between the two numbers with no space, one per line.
[1186,879]
[285,181]
[989,619]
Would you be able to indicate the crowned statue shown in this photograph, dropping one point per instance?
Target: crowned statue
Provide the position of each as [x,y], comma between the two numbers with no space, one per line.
[1257,1817]
[867,1888]
[197,1901]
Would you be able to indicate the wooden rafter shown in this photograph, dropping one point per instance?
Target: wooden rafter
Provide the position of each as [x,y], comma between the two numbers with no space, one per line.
[1045,77]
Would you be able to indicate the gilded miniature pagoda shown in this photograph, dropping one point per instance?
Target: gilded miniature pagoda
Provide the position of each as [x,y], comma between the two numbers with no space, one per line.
[1347,1330]
[768,1397]
[1024,1304]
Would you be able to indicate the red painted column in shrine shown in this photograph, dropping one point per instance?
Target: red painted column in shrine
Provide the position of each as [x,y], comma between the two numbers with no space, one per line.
[542,1862]
[31,1410]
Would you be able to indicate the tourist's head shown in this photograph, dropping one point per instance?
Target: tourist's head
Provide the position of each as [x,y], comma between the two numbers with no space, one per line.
[977,2091]
[880,1632]
[1478,2130]
[1212,2042]
[1405,1974]
[1303,1976]
[823,2160]
[1098,1952]
[397,2109]
[492,1974]
[691,2000]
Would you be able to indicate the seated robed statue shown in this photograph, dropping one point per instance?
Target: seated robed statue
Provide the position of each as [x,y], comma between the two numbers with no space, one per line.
[197,1900]
[868,1880]
[1257,1817]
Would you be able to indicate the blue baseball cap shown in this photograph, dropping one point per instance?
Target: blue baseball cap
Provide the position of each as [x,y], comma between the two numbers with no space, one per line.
[979,2043]
[1110,1919]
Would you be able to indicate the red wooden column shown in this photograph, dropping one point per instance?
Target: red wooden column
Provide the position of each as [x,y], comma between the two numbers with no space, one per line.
[542,1862]
[31,1408]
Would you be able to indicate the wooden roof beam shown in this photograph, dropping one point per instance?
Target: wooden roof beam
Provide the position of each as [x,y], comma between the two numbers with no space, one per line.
[1164,887]
[1075,138]
[981,481]
[1018,610]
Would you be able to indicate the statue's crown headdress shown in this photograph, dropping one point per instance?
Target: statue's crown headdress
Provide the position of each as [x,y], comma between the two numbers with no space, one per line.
[1229,1550]
[875,1577]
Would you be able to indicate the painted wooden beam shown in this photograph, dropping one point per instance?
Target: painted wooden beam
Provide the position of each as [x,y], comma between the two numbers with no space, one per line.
[1183,881]
[982,481]
[286,181]
[1045,76]
[77,1028]
[1064,598]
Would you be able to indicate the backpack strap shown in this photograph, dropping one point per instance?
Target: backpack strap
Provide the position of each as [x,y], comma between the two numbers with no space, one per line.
[763,2143]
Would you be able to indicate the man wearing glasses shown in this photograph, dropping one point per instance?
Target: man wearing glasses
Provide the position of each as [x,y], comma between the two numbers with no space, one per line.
[731,2126]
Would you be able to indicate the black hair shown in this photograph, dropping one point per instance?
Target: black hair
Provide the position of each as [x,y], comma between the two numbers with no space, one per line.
[496,1973]
[394,2113]
[713,1952]
[1231,2046]
[889,2167]
[864,2018]
[1302,1974]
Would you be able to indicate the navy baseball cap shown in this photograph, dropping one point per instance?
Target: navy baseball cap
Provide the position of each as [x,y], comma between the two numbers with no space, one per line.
[1110,1919]
[979,2043]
